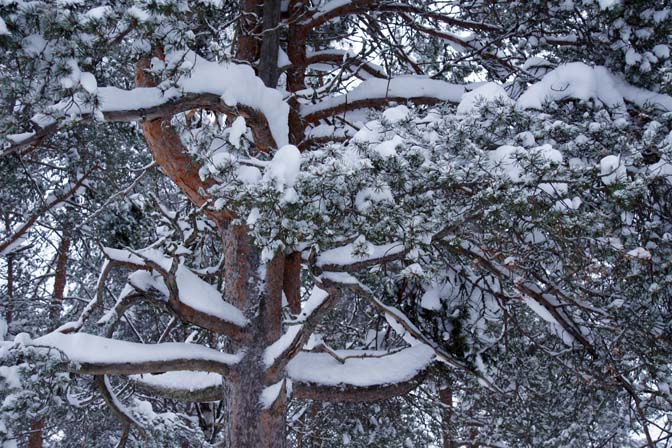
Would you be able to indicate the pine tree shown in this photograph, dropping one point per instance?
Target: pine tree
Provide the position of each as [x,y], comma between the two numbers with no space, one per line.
[337,209]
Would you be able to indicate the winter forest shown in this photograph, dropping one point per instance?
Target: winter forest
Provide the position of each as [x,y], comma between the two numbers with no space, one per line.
[336,223]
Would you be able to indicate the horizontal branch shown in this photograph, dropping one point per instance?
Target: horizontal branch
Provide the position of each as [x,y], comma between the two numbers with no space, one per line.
[374,373]
[89,354]
[354,394]
[182,385]
[339,58]
[381,92]
[164,109]
[341,9]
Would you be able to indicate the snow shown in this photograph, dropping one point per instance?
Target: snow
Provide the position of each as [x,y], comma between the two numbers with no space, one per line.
[403,87]
[276,349]
[396,114]
[139,257]
[271,393]
[342,256]
[3,28]
[388,148]
[285,166]
[487,93]
[368,196]
[236,131]
[249,175]
[88,348]
[202,296]
[11,376]
[640,252]
[98,12]
[612,170]
[579,81]
[193,291]
[606,4]
[362,368]
[431,299]
[236,84]
[574,80]
[181,380]
[504,158]
[661,51]
[316,299]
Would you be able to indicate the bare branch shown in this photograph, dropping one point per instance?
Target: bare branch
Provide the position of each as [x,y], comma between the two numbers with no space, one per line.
[7,242]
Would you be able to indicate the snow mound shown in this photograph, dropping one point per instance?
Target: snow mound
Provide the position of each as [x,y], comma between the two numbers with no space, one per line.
[285,166]
[612,170]
[396,114]
[362,368]
[489,93]
[577,81]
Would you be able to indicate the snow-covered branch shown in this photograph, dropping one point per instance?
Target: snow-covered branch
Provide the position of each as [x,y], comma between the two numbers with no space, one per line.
[95,355]
[364,375]
[379,92]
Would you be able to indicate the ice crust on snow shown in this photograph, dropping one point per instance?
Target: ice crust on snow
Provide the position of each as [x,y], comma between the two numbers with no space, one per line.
[369,368]
[88,348]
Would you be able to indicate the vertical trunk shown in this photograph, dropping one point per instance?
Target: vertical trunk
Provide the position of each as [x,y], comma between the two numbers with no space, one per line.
[270,43]
[446,398]
[10,278]
[10,289]
[248,31]
[260,295]
[292,282]
[296,51]
[35,438]
[59,280]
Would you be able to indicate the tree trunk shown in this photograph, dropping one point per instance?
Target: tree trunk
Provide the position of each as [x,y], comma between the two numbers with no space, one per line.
[35,438]
[60,279]
[249,425]
[446,398]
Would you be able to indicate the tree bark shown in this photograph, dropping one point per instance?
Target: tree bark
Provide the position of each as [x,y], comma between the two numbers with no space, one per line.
[250,425]
[35,438]
[270,43]
[446,398]
[60,279]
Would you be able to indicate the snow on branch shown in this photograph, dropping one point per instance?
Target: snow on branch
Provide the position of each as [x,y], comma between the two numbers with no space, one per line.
[579,81]
[341,259]
[188,292]
[365,375]
[226,87]
[379,92]
[182,385]
[89,354]
[278,354]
